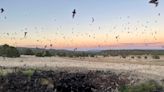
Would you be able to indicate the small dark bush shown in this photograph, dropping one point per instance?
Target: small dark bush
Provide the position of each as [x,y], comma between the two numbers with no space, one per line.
[105,55]
[43,54]
[132,57]
[29,52]
[47,54]
[145,57]
[92,55]
[150,86]
[156,57]
[70,55]
[139,57]
[62,54]
[123,56]
[39,54]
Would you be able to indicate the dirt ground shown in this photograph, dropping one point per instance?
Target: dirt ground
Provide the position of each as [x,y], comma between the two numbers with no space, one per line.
[149,68]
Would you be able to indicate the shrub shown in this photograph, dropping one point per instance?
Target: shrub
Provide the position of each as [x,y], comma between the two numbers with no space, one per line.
[61,54]
[47,54]
[28,73]
[145,57]
[123,56]
[39,54]
[156,57]
[132,57]
[29,52]
[92,55]
[105,55]
[9,51]
[43,54]
[70,55]
[149,86]
[139,57]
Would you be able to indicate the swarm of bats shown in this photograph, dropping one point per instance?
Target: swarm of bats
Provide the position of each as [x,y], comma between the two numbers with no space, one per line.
[154,2]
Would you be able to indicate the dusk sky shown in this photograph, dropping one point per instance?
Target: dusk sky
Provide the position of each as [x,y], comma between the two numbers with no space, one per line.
[118,24]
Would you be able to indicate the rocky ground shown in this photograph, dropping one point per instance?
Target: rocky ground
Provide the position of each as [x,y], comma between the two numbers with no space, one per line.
[55,81]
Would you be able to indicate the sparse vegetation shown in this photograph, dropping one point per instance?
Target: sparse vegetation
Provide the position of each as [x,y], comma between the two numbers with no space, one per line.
[139,57]
[132,57]
[8,51]
[92,55]
[29,52]
[47,54]
[156,57]
[149,86]
[43,54]
[145,57]
[61,54]
[39,54]
[123,56]
[61,81]
[28,72]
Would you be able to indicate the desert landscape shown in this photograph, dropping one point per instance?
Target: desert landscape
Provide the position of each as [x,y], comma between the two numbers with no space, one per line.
[81,46]
[143,66]
[130,71]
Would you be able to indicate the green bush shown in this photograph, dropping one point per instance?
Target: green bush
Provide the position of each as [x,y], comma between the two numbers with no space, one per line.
[70,55]
[139,57]
[39,54]
[43,54]
[123,56]
[156,57]
[105,55]
[29,52]
[149,86]
[9,51]
[29,72]
[62,54]
[145,57]
[47,54]
[132,57]
[92,55]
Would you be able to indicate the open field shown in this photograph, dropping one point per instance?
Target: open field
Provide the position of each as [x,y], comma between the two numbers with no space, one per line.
[142,67]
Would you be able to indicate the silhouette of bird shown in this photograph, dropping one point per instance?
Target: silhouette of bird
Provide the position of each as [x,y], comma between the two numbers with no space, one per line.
[73,13]
[154,2]
[25,33]
[93,19]
[2,10]
[117,37]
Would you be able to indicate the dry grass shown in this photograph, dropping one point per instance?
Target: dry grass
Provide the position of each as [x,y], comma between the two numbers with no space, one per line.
[147,66]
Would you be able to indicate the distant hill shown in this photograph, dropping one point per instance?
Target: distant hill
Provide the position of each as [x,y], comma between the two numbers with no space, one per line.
[69,53]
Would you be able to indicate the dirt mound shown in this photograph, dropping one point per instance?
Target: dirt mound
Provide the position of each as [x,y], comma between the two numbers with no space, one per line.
[51,81]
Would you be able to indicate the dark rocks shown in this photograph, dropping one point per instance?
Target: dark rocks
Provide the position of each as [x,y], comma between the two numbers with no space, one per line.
[51,81]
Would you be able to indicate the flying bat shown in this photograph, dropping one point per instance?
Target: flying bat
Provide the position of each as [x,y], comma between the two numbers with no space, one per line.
[2,10]
[154,2]
[93,19]
[25,33]
[73,13]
